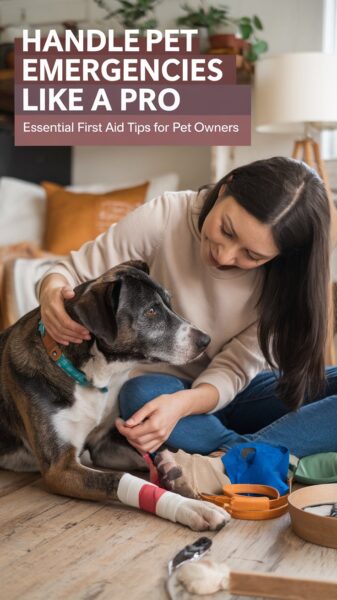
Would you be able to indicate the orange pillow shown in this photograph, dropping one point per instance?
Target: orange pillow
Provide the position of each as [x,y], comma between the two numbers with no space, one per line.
[74,218]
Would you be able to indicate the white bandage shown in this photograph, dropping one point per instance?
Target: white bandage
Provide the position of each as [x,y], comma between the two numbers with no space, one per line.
[168,505]
[165,506]
[129,488]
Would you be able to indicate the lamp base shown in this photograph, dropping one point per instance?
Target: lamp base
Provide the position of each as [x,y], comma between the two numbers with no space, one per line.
[308,150]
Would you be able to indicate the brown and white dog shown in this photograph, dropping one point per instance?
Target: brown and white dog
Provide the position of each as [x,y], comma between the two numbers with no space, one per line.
[47,418]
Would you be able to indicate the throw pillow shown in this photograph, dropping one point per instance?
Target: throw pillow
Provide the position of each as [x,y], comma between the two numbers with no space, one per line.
[23,204]
[75,218]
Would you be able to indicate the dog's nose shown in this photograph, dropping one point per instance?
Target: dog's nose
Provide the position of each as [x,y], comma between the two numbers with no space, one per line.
[202,341]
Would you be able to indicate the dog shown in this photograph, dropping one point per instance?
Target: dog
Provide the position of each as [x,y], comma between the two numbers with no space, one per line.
[57,401]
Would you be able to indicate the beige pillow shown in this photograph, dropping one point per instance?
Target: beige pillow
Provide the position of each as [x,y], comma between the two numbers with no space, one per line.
[74,218]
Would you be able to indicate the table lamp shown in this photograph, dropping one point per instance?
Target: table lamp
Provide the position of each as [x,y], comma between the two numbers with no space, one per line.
[296,93]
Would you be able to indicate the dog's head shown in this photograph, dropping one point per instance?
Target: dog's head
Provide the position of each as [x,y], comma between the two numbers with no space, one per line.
[130,316]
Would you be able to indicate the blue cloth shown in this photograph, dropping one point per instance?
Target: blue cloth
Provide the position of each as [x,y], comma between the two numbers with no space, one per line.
[255,415]
[258,463]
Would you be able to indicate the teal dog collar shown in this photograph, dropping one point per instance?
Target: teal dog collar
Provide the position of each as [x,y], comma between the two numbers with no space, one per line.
[57,356]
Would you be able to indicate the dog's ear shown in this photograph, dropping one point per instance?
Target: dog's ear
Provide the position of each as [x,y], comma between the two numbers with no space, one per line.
[96,309]
[115,273]
[123,269]
[138,264]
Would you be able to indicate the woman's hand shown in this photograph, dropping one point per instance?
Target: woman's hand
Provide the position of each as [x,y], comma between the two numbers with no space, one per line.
[54,291]
[151,425]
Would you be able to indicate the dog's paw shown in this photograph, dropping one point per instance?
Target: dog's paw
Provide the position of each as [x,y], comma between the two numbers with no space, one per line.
[173,476]
[202,516]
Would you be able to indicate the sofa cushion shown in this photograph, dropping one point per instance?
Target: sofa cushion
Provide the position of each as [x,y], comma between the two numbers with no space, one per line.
[75,218]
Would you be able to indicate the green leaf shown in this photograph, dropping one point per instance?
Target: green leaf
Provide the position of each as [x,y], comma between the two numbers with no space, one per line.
[245,20]
[245,30]
[257,22]
[129,13]
[260,46]
[149,24]
[250,55]
[202,17]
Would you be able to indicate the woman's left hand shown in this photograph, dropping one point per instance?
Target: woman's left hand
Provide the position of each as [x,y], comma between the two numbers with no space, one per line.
[151,425]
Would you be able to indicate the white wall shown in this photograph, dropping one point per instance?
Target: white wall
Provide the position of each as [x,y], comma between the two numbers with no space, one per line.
[290,25]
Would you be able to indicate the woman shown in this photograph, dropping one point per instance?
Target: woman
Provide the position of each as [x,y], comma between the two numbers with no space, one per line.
[248,262]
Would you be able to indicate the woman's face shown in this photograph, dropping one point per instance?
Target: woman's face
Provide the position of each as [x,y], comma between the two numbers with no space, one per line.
[232,237]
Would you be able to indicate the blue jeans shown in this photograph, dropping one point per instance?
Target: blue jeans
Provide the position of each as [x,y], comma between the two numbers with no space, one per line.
[256,414]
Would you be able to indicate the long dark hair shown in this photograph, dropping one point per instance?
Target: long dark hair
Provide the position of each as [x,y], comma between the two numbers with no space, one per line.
[293,307]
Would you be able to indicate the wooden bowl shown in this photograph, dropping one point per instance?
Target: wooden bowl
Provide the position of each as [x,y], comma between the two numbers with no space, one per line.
[314,528]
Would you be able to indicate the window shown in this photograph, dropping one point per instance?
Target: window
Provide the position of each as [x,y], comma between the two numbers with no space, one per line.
[329,138]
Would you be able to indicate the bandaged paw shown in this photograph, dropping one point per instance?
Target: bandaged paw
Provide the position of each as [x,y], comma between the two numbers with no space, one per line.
[201,516]
[196,514]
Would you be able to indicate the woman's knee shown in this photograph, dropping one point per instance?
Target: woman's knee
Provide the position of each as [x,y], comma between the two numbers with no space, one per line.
[131,397]
[138,391]
[331,381]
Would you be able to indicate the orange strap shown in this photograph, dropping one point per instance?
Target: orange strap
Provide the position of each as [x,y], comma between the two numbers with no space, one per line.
[266,503]
[53,349]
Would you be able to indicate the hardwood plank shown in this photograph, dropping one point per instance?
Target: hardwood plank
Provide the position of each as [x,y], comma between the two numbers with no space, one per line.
[271,546]
[63,548]
[55,547]
[10,481]
[268,546]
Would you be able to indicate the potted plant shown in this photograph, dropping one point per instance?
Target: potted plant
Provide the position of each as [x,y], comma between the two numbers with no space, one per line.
[227,35]
[205,19]
[248,44]
[132,15]
[208,17]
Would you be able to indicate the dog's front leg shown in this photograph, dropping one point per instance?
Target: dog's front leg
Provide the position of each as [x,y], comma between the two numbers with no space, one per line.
[112,451]
[69,478]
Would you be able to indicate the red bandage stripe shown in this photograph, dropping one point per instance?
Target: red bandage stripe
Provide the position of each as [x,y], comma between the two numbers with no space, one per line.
[153,471]
[149,496]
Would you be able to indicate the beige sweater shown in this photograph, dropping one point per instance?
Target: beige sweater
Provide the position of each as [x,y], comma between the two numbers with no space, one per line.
[164,233]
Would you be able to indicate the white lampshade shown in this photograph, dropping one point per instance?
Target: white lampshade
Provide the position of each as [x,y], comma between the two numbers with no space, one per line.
[294,90]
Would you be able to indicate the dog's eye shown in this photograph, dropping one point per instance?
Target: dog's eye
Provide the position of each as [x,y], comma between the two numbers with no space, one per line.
[151,312]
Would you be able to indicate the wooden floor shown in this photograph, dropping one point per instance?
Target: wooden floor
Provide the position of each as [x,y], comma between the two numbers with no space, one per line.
[57,548]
